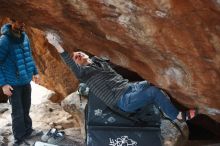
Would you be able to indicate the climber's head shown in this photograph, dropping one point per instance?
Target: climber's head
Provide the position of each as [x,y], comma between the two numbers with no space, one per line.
[17,25]
[81,58]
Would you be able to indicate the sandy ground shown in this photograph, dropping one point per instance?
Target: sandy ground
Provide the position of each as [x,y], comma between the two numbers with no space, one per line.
[45,115]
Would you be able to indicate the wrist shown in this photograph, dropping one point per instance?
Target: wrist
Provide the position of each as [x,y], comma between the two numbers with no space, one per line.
[60,49]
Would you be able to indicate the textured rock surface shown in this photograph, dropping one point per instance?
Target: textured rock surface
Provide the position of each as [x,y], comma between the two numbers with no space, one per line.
[170,134]
[72,105]
[172,43]
[45,116]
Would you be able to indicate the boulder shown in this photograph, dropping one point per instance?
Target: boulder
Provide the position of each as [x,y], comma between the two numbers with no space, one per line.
[174,44]
[170,134]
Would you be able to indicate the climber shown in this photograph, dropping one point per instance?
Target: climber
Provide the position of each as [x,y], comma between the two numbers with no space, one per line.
[112,88]
[17,69]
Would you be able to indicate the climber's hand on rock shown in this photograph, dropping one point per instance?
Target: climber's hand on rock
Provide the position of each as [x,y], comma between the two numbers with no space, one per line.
[53,40]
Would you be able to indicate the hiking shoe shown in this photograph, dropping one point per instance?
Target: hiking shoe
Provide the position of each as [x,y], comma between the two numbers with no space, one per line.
[56,138]
[17,142]
[190,114]
[34,133]
[49,134]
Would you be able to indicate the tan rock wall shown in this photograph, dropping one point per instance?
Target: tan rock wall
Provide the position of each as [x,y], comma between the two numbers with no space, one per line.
[175,44]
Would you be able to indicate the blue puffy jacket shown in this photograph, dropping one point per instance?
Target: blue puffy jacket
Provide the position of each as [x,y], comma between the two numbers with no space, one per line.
[16,62]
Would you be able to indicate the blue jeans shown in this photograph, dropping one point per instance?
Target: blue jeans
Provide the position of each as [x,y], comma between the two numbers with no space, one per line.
[140,93]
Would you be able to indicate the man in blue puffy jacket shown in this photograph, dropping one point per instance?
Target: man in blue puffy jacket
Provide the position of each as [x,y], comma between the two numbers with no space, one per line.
[17,69]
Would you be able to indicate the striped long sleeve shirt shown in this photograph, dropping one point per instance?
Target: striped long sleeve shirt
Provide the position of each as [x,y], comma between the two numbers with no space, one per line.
[103,81]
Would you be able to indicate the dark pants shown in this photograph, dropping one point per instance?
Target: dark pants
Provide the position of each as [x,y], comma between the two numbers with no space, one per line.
[21,103]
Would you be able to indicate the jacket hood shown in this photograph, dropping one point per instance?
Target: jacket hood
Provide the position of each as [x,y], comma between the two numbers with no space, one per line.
[5,29]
